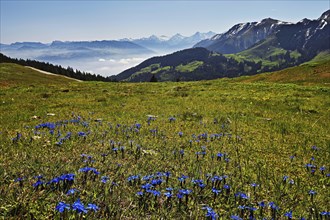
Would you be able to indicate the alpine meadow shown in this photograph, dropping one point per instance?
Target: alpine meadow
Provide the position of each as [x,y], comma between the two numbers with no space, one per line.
[233,126]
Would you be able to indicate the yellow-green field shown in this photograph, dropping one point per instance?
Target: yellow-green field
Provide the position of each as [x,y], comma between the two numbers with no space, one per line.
[232,148]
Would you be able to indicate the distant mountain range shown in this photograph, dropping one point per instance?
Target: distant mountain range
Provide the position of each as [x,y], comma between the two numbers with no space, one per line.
[174,43]
[103,57]
[58,50]
[245,49]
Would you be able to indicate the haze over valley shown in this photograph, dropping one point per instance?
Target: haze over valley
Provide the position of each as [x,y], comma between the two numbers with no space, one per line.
[105,57]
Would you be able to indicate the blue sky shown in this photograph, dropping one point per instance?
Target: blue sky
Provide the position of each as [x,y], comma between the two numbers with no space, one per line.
[47,20]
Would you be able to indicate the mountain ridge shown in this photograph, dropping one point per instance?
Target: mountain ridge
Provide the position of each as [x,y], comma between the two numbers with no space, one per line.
[280,45]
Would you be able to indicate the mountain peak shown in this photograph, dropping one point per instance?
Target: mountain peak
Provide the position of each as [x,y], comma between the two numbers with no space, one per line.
[269,20]
[325,16]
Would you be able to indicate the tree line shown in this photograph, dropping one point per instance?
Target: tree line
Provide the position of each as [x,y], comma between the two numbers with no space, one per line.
[56,69]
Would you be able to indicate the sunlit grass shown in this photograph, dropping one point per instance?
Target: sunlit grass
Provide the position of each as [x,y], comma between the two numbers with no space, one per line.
[224,134]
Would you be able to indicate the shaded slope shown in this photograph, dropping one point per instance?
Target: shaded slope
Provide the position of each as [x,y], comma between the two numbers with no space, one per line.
[188,65]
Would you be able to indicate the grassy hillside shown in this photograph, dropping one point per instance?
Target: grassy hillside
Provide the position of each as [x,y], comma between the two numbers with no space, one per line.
[14,74]
[269,53]
[314,72]
[183,150]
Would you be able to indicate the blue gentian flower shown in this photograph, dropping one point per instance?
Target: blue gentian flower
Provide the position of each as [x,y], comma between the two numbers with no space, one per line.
[235,217]
[312,192]
[273,206]
[138,125]
[226,186]
[262,204]
[172,119]
[38,183]
[156,182]
[182,178]
[168,194]
[147,186]
[210,213]
[324,213]
[288,214]
[315,148]
[140,193]
[179,195]
[61,207]
[185,191]
[242,207]
[154,192]
[71,191]
[79,207]
[19,179]
[285,178]
[92,207]
[241,195]
[104,179]
[216,191]
[254,185]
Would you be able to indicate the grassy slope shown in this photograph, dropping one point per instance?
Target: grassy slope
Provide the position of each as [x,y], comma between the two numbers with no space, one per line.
[273,120]
[13,74]
[262,52]
[314,72]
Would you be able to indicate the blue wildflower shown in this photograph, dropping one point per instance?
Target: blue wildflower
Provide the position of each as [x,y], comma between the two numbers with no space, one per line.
[154,192]
[79,207]
[312,192]
[71,191]
[285,178]
[38,183]
[315,148]
[182,178]
[185,191]
[172,119]
[61,207]
[235,217]
[241,195]
[168,194]
[104,179]
[210,213]
[147,186]
[288,214]
[19,179]
[254,185]
[262,204]
[216,191]
[92,207]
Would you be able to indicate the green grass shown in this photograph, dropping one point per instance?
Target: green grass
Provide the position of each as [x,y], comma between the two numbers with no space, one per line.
[13,74]
[161,69]
[190,67]
[319,59]
[257,125]
[265,52]
[315,72]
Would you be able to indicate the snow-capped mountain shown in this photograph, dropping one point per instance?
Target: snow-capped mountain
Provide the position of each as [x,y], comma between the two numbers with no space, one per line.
[171,44]
[270,45]
[309,36]
[242,36]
